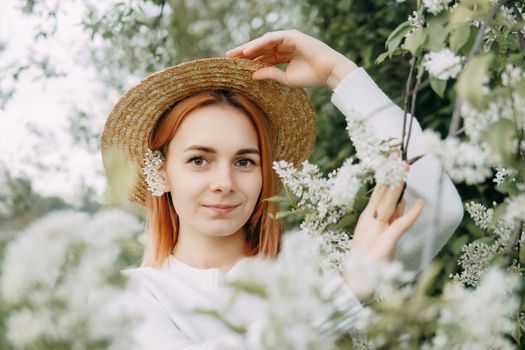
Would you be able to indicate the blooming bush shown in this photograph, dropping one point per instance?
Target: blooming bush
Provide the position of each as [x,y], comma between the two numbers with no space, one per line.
[471,52]
[60,282]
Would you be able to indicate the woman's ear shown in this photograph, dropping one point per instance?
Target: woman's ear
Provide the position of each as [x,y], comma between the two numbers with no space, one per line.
[165,178]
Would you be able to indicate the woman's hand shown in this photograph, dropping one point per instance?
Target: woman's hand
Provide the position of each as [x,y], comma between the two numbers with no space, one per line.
[310,61]
[379,228]
[382,223]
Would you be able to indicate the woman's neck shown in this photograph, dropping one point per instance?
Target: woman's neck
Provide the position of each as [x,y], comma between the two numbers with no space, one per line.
[206,252]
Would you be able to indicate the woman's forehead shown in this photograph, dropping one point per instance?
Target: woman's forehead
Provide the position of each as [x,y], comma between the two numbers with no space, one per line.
[216,127]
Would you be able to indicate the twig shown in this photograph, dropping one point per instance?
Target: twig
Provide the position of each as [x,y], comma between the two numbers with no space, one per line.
[405,105]
[521,37]
[453,129]
[412,113]
[515,238]
[423,85]
[521,155]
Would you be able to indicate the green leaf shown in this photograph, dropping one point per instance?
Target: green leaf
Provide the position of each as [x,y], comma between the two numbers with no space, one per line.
[427,277]
[470,82]
[437,34]
[438,85]
[457,244]
[347,221]
[499,137]
[460,15]
[459,37]
[121,176]
[522,254]
[276,199]
[508,186]
[382,57]
[499,211]
[416,40]
[394,39]
[283,214]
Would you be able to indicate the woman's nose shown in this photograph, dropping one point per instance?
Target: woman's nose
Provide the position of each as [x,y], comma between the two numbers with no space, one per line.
[222,179]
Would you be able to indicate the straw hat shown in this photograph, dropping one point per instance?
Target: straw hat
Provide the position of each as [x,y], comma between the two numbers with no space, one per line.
[130,123]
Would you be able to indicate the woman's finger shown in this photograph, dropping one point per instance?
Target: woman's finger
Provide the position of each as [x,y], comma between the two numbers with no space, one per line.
[403,223]
[272,58]
[400,210]
[375,198]
[388,203]
[270,73]
[264,43]
[238,51]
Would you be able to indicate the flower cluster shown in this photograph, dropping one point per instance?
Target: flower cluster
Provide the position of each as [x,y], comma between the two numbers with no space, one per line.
[312,191]
[416,21]
[502,173]
[436,6]
[152,165]
[509,108]
[477,257]
[304,307]
[323,201]
[463,161]
[61,284]
[462,323]
[443,64]
[515,213]
[375,155]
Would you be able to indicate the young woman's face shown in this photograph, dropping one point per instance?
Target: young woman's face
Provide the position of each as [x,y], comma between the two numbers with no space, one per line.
[214,161]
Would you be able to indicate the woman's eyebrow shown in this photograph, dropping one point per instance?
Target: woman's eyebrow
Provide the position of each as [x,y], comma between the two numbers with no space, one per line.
[211,150]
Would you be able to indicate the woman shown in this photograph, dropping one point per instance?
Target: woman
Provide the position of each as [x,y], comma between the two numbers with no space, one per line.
[215,126]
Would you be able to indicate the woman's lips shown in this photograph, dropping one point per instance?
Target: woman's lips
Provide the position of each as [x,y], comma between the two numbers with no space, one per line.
[221,209]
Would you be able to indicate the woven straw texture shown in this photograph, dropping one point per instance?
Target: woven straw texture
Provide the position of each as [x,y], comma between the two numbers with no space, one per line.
[132,119]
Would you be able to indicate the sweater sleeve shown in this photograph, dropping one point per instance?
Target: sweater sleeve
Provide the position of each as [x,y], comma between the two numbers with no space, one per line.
[358,94]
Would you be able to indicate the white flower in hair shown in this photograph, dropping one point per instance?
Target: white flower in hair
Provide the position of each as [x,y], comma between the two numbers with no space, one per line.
[152,165]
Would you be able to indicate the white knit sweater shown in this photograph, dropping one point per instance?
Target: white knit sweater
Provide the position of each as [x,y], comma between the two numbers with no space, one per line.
[168,294]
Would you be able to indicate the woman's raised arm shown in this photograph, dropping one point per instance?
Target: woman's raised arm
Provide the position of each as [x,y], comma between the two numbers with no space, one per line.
[313,63]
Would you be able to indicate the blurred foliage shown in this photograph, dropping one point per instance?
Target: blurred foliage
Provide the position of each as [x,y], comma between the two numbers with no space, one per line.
[359,30]
[20,204]
[134,38]
[141,37]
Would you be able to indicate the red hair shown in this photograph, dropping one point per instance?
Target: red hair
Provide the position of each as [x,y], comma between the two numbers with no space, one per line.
[262,232]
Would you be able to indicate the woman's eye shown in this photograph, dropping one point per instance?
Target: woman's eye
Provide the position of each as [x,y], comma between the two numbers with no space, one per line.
[197,161]
[245,162]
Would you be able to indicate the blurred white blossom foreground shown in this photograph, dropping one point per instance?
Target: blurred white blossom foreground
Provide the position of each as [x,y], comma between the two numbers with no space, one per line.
[52,269]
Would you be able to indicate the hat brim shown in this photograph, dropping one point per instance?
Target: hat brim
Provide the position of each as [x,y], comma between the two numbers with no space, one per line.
[129,125]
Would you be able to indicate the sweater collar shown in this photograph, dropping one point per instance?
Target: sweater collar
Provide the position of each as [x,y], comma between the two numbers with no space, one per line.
[201,278]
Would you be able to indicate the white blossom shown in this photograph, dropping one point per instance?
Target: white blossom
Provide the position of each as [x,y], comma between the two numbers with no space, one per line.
[443,64]
[510,107]
[375,154]
[60,281]
[300,312]
[345,184]
[466,325]
[481,215]
[502,173]
[382,277]
[23,328]
[463,161]
[475,259]
[512,75]
[436,6]
[416,21]
[312,190]
[515,211]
